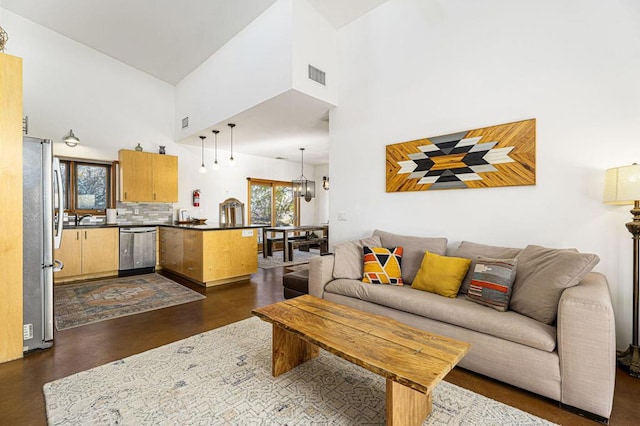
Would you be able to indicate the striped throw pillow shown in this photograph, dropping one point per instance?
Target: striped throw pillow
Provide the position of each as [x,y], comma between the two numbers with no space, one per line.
[382,265]
[492,282]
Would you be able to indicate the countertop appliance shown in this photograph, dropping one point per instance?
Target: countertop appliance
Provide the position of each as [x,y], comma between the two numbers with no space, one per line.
[42,206]
[137,250]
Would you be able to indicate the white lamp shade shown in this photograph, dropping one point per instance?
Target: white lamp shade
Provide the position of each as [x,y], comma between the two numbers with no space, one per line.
[622,185]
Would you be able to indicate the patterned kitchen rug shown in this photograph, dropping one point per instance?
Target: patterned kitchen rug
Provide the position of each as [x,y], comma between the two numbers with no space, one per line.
[93,301]
[223,377]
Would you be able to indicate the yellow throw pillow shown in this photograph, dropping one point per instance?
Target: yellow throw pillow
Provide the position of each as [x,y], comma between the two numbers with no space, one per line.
[441,274]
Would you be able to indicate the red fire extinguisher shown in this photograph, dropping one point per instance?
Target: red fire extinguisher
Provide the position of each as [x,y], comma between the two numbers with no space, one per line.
[196,198]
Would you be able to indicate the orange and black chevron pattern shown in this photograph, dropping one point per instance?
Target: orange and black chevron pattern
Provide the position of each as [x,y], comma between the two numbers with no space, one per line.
[382,265]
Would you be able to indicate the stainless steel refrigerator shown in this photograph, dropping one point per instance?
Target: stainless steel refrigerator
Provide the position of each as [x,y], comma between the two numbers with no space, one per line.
[42,226]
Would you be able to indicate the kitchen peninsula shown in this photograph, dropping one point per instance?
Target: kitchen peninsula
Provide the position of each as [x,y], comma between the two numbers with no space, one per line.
[210,254]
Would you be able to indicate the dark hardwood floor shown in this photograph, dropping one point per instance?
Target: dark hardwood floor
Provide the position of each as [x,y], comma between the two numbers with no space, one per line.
[81,348]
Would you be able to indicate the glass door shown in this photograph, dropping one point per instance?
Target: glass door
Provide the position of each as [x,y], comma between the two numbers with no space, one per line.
[271,203]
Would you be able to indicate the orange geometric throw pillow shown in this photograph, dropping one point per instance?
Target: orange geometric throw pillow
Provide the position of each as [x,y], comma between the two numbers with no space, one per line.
[382,265]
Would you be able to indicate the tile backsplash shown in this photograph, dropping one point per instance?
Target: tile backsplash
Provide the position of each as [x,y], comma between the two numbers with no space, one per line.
[133,214]
[143,213]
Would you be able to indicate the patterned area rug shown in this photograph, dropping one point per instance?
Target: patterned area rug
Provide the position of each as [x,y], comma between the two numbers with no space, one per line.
[86,303]
[275,261]
[223,377]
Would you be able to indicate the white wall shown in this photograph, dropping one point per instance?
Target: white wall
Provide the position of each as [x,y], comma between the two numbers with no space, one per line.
[252,67]
[322,196]
[412,69]
[111,106]
[315,42]
[231,182]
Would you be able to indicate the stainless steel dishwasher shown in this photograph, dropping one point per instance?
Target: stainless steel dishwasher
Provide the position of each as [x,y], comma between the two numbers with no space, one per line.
[137,250]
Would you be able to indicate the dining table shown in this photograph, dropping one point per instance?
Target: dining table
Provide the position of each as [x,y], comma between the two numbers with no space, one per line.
[286,230]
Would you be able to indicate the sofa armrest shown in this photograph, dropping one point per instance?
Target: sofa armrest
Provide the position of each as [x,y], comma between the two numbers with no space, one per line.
[587,345]
[320,273]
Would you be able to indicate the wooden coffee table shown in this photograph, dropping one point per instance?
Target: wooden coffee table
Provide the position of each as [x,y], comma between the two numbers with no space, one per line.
[412,361]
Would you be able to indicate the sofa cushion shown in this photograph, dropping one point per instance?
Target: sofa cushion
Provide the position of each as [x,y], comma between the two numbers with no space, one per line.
[474,250]
[492,282]
[541,276]
[348,257]
[457,311]
[382,265]
[441,274]
[413,250]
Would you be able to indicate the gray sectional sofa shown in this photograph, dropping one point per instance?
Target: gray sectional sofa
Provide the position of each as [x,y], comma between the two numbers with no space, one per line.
[567,354]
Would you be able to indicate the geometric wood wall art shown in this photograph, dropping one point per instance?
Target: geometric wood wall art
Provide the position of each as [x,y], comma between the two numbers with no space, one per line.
[503,155]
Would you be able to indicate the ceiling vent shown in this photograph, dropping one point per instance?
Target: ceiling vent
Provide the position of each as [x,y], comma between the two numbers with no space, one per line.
[185,122]
[316,75]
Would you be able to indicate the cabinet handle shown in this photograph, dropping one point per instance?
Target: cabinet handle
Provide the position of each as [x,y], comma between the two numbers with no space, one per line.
[125,195]
[77,235]
[191,269]
[85,235]
[154,195]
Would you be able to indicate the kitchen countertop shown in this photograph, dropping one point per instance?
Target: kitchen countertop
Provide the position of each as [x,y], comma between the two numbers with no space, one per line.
[212,227]
[205,227]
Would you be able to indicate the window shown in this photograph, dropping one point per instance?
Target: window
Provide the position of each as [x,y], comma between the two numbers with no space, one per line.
[271,203]
[89,186]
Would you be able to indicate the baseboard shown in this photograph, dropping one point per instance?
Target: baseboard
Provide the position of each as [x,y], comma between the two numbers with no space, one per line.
[585,414]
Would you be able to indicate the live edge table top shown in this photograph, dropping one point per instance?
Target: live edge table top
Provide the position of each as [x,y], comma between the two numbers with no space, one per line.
[405,355]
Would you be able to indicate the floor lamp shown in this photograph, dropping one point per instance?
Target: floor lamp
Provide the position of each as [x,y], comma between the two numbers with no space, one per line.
[622,186]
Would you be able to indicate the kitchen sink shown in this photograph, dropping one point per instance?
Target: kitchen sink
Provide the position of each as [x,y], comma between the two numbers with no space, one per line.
[89,225]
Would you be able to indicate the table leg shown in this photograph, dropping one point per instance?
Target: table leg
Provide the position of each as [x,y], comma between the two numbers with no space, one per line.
[264,244]
[406,406]
[285,247]
[289,351]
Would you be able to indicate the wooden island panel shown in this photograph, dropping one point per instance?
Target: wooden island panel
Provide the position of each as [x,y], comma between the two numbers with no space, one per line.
[210,257]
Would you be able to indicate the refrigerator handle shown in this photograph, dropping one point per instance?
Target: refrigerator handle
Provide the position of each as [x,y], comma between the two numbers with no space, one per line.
[57,238]
[57,265]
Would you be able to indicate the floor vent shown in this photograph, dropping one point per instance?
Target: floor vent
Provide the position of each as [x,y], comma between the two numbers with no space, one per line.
[317,75]
[185,122]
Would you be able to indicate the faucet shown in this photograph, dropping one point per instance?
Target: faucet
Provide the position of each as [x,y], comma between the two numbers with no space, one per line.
[79,219]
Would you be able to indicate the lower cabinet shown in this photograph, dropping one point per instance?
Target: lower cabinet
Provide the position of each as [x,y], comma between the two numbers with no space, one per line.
[87,253]
[171,249]
[209,257]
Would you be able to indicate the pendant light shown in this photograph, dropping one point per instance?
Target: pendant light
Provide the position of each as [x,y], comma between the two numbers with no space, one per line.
[202,169]
[71,139]
[302,187]
[216,166]
[231,126]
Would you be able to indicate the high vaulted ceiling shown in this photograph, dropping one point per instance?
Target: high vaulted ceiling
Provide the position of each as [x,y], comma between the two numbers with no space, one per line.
[168,39]
[165,38]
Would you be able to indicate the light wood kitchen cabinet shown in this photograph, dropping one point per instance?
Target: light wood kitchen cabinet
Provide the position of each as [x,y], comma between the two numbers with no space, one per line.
[70,254]
[100,250]
[87,253]
[171,249]
[165,178]
[210,257]
[11,336]
[147,177]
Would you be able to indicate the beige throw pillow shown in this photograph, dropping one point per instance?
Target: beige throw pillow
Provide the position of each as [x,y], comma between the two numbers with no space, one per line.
[541,276]
[413,248]
[474,250]
[349,258]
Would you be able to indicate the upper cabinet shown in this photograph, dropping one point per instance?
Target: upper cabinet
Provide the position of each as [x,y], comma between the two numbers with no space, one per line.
[147,177]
